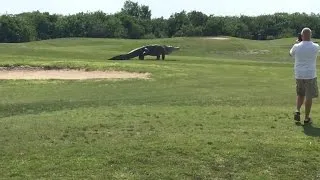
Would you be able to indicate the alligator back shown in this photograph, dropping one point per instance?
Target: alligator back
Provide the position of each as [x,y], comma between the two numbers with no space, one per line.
[155,50]
[132,54]
[136,52]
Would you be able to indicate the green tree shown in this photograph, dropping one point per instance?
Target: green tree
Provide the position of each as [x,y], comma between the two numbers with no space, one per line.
[14,29]
[176,22]
[160,27]
[213,26]
[134,9]
[134,21]
[197,19]
[44,23]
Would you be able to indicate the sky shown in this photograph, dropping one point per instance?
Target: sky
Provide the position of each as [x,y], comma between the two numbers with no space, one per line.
[164,7]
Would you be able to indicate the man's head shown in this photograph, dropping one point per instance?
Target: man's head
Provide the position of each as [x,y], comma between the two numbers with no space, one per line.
[306,34]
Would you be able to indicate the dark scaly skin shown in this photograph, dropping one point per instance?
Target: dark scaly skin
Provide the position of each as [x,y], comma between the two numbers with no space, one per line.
[149,50]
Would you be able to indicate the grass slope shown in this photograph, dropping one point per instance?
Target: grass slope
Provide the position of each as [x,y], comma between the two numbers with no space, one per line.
[215,110]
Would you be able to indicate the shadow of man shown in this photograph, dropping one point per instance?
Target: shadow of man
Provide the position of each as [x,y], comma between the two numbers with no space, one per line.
[310,130]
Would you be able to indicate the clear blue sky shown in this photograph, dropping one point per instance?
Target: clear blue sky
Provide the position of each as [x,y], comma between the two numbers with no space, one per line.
[217,7]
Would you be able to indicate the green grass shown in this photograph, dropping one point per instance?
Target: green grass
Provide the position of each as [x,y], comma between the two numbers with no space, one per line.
[214,110]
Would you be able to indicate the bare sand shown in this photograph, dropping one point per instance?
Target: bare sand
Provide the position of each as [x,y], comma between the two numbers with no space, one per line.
[217,38]
[65,74]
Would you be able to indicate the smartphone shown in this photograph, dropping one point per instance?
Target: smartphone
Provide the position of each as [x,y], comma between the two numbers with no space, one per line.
[299,37]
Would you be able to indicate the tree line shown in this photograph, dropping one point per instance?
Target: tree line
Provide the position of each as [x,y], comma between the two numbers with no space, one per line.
[134,22]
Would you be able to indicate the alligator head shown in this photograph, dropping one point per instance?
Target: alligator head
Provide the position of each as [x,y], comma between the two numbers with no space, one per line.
[170,49]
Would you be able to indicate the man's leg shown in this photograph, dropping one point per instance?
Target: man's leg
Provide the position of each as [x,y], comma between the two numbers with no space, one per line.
[311,92]
[308,106]
[300,100]
[300,90]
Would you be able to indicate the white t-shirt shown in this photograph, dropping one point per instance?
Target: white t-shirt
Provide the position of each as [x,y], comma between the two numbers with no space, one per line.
[305,54]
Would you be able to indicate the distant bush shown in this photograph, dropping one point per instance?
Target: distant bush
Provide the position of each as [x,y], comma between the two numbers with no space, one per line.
[270,37]
[149,36]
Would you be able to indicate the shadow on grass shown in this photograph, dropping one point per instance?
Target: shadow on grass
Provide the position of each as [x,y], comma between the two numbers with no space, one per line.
[40,107]
[159,60]
[310,130]
[142,60]
[8,110]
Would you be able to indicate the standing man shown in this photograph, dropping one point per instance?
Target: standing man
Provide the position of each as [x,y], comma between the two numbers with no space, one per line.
[305,54]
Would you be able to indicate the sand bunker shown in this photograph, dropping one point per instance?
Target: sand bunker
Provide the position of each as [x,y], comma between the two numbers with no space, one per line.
[218,38]
[66,74]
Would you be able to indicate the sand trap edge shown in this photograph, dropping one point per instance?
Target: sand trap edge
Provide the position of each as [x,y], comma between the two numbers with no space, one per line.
[45,73]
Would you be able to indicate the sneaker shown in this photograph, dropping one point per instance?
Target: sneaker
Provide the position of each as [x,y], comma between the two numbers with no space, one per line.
[297,116]
[308,121]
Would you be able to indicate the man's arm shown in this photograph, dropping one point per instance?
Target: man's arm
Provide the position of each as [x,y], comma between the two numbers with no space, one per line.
[292,50]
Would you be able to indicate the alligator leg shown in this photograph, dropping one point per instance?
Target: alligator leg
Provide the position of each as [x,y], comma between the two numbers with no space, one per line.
[141,57]
[163,56]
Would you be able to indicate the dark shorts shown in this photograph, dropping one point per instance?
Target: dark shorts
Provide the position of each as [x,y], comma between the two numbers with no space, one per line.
[307,88]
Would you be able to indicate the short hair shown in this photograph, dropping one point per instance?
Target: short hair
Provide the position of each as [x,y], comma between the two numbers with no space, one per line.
[306,29]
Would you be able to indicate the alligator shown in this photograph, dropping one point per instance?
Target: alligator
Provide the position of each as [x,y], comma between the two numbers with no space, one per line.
[149,50]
